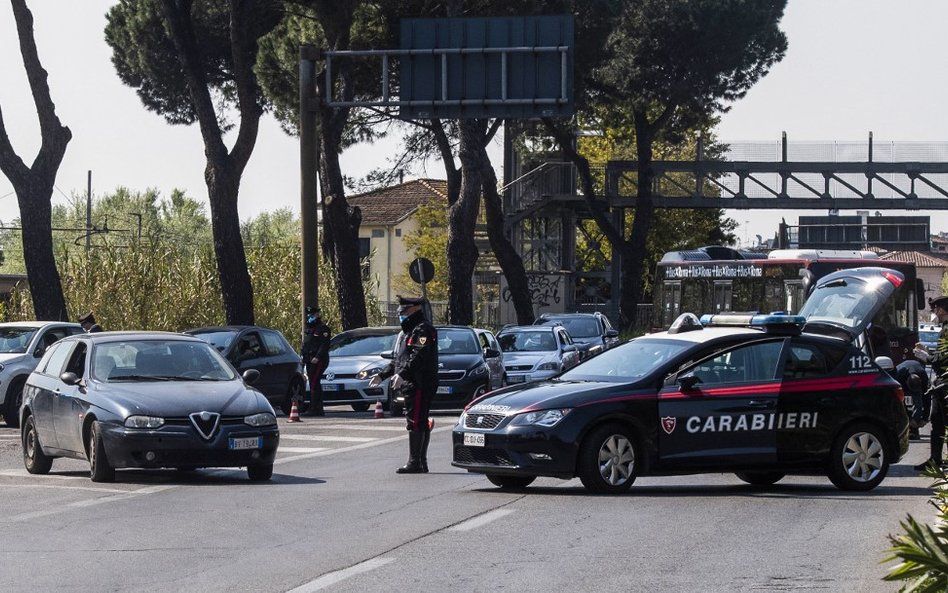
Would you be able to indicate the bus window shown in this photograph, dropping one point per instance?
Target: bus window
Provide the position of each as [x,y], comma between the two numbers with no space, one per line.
[793,289]
[721,300]
[671,307]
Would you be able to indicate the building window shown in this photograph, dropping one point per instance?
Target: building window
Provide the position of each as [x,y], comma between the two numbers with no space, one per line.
[378,233]
[398,232]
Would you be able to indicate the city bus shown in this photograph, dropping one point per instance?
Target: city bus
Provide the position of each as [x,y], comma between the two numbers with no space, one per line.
[720,279]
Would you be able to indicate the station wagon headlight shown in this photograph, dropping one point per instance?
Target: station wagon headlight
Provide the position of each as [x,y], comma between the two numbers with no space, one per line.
[549,366]
[478,370]
[366,373]
[144,422]
[261,419]
[545,418]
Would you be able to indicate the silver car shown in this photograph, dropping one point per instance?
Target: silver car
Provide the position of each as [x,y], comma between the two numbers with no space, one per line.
[354,357]
[534,352]
[22,344]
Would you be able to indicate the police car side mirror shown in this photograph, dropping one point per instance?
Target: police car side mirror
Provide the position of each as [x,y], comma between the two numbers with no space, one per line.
[688,382]
[885,363]
[389,355]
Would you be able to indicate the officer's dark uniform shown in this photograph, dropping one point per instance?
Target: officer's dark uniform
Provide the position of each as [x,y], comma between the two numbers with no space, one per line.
[315,355]
[88,323]
[911,374]
[416,362]
[939,391]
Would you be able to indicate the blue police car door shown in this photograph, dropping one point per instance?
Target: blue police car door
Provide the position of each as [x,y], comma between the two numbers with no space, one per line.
[721,411]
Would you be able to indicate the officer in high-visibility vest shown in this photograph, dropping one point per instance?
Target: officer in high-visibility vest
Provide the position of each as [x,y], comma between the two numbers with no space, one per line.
[939,389]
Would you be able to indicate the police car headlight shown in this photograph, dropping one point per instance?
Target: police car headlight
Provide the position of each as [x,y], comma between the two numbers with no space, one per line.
[261,419]
[545,418]
[366,373]
[478,370]
[549,366]
[144,422]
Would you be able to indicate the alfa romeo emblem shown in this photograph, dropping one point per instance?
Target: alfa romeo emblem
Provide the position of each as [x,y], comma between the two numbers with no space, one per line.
[330,376]
[668,424]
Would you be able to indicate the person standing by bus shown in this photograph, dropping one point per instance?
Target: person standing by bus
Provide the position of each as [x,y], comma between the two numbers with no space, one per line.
[939,390]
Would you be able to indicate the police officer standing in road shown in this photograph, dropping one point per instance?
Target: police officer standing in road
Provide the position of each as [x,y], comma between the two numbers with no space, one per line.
[414,373]
[939,390]
[315,355]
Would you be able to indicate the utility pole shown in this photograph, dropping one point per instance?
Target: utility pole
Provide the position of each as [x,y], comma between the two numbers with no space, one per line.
[89,211]
[309,177]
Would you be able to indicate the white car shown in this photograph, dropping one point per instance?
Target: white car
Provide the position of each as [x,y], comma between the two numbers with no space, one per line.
[22,344]
[355,356]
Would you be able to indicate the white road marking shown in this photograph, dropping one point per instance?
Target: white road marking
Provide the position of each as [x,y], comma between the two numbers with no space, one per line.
[365,427]
[481,520]
[332,578]
[283,449]
[373,443]
[323,437]
[22,473]
[88,503]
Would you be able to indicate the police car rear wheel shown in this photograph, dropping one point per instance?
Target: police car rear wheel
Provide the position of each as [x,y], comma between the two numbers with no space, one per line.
[607,460]
[858,460]
[510,482]
[760,478]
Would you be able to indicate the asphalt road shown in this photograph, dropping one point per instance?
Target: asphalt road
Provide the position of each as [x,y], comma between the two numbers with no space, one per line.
[337,518]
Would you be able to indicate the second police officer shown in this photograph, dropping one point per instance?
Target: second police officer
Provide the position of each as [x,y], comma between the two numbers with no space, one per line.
[939,389]
[315,355]
[414,373]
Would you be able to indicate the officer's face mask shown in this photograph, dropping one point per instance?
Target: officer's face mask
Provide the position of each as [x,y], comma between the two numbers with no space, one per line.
[402,318]
[310,319]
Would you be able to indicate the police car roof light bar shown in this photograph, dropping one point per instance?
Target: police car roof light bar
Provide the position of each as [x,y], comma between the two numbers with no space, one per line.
[771,323]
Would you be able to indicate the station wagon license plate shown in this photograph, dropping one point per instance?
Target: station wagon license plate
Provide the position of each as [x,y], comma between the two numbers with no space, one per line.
[473,439]
[246,443]
[445,390]
[516,378]
[332,386]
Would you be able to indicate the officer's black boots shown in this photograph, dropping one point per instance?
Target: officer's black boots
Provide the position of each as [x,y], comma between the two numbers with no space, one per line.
[938,444]
[423,457]
[415,442]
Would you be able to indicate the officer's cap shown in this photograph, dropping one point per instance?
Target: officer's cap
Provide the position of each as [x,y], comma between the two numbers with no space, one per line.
[87,318]
[311,310]
[408,302]
[941,301]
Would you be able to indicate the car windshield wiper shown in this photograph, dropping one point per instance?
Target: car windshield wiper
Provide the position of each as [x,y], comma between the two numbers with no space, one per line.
[138,378]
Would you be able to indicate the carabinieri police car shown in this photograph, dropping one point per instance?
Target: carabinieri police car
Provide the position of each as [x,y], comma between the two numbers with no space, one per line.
[762,396]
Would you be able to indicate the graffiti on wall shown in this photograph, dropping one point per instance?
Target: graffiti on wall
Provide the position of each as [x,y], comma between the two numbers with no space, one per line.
[544,290]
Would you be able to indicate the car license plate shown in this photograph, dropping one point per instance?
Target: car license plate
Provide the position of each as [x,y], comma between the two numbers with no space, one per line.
[473,439]
[515,378]
[908,400]
[445,390]
[332,386]
[246,443]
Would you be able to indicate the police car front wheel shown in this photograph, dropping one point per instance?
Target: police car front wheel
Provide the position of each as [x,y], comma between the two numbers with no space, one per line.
[858,459]
[607,460]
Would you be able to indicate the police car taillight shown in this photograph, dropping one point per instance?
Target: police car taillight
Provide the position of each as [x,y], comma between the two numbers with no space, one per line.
[900,394]
[895,279]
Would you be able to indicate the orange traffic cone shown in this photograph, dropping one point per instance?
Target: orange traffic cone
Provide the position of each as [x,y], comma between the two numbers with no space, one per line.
[294,413]
[379,412]
[430,423]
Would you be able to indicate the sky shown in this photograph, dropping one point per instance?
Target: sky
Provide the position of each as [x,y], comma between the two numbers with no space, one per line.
[852,66]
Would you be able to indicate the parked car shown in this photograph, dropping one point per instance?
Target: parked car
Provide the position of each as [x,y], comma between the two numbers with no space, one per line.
[761,396]
[928,336]
[354,357]
[534,352]
[22,344]
[265,350]
[591,332]
[465,370]
[488,342]
[144,400]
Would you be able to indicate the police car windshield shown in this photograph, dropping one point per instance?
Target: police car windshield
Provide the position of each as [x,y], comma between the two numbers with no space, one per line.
[628,362]
[361,345]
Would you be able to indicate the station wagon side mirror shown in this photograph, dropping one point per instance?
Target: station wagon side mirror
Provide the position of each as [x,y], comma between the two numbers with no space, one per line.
[612,333]
[885,363]
[491,353]
[388,355]
[69,378]
[250,376]
[688,382]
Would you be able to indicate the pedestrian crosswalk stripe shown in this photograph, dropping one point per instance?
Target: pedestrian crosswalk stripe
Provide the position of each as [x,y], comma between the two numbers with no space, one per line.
[324,437]
[283,449]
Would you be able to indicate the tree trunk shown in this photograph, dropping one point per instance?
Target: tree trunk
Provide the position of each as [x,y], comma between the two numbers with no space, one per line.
[633,260]
[34,185]
[510,262]
[236,288]
[462,217]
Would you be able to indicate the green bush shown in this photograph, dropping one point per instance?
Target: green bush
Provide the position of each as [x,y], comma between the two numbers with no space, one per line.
[922,550]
